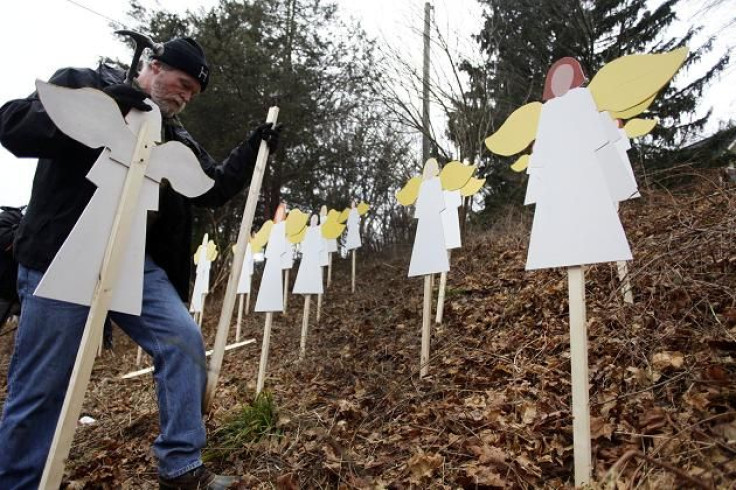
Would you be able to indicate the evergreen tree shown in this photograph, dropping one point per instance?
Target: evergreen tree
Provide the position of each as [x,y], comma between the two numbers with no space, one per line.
[521,39]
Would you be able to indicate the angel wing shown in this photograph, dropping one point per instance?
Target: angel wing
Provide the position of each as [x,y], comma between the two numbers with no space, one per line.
[333,215]
[363,208]
[635,110]
[261,237]
[343,215]
[409,193]
[89,116]
[632,80]
[211,251]
[296,222]
[455,175]
[196,255]
[473,186]
[298,237]
[636,128]
[176,163]
[520,164]
[331,228]
[517,131]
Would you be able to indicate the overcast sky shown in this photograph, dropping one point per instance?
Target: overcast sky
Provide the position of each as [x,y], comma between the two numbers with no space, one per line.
[39,36]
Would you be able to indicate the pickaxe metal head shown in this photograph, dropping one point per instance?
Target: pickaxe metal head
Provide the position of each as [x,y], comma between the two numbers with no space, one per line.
[141,42]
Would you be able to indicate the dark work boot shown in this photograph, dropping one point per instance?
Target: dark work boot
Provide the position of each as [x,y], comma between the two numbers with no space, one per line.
[198,479]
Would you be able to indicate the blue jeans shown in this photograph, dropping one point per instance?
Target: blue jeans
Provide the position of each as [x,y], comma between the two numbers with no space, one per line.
[46,345]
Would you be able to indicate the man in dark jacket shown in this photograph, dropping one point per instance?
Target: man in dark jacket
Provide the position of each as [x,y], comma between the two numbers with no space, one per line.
[50,331]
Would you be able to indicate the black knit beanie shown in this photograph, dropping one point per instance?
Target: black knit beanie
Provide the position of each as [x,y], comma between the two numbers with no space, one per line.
[185,54]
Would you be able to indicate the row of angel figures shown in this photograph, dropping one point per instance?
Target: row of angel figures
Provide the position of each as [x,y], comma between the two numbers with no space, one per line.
[317,240]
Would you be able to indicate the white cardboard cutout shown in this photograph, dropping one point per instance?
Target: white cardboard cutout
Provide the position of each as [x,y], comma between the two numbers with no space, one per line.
[353,238]
[429,255]
[95,120]
[575,221]
[201,279]
[324,255]
[309,278]
[271,291]
[247,272]
[615,162]
[451,220]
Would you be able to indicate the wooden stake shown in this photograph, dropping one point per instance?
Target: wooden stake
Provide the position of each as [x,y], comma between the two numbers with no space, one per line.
[264,353]
[426,314]
[247,304]
[319,307]
[286,291]
[208,353]
[623,275]
[441,294]
[228,302]
[139,356]
[240,318]
[329,269]
[305,326]
[116,244]
[579,367]
[352,277]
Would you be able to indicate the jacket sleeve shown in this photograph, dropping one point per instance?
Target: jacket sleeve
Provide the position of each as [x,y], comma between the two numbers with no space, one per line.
[230,176]
[27,131]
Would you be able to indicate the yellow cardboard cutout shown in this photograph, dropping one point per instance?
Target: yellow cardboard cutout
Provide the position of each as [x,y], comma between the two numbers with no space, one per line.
[344,215]
[333,215]
[455,175]
[331,229]
[517,132]
[473,186]
[363,208]
[631,80]
[296,222]
[637,128]
[520,164]
[408,194]
[636,110]
[261,237]
[298,237]
[211,252]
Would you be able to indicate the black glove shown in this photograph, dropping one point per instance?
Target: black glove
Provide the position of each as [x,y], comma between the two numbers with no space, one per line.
[127,97]
[269,133]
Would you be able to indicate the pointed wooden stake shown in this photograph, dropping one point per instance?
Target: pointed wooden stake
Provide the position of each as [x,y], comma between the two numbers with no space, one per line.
[228,302]
[305,326]
[319,307]
[329,269]
[240,318]
[441,294]
[352,277]
[264,352]
[120,232]
[623,276]
[426,320]
[247,304]
[286,291]
[139,356]
[579,367]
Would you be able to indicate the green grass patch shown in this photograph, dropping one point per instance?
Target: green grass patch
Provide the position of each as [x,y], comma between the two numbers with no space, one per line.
[251,424]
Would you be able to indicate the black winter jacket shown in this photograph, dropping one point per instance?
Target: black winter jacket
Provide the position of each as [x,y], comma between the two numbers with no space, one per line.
[61,190]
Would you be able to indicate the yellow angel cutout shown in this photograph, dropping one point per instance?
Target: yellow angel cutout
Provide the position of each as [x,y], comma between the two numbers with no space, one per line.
[636,128]
[210,253]
[455,175]
[331,227]
[363,208]
[407,195]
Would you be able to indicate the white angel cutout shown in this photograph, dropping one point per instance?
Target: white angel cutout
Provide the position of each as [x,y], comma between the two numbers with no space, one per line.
[353,239]
[270,293]
[309,277]
[429,254]
[93,118]
[203,257]
[247,272]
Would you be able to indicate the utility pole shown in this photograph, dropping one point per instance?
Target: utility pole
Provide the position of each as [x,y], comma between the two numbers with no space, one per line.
[425,91]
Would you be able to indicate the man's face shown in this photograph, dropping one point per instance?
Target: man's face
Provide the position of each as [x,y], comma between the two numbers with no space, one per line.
[172,89]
